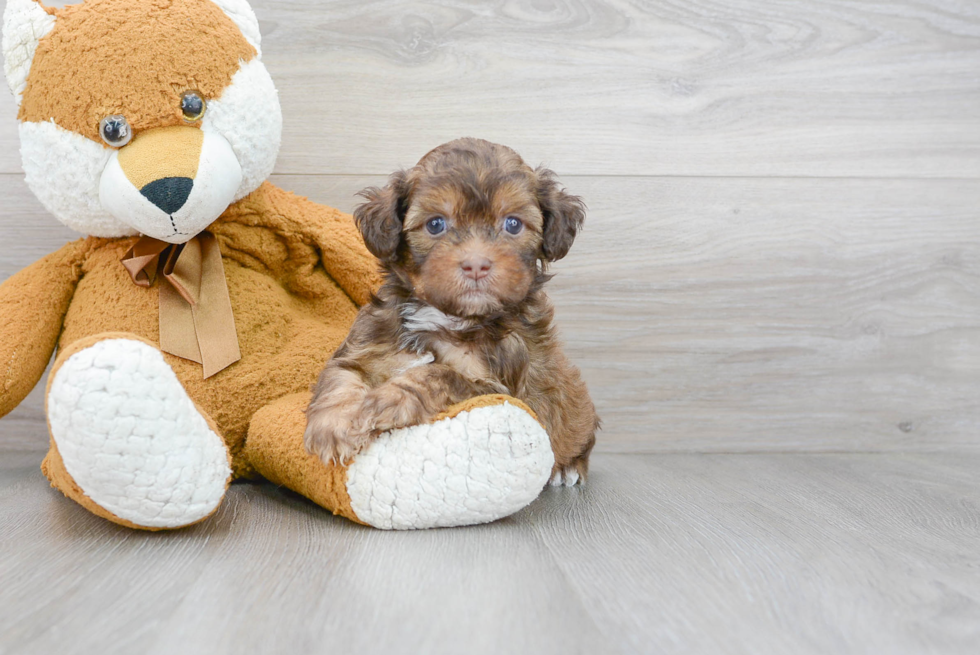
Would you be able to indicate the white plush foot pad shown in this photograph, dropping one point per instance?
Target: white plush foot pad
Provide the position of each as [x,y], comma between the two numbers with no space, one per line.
[480,466]
[132,439]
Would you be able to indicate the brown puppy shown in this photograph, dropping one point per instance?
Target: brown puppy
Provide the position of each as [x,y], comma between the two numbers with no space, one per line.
[464,239]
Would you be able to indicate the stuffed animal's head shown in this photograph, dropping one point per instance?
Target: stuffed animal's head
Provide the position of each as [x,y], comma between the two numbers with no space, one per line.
[141,116]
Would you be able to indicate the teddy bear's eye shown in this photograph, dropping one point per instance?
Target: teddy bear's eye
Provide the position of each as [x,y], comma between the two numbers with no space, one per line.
[193,106]
[115,131]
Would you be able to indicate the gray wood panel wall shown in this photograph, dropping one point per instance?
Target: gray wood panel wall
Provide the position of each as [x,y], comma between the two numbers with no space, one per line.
[783,245]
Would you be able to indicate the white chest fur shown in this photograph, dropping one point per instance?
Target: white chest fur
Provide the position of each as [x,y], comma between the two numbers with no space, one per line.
[425,318]
[421,320]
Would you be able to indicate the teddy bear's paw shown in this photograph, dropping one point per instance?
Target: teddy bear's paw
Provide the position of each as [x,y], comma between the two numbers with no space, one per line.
[476,467]
[132,439]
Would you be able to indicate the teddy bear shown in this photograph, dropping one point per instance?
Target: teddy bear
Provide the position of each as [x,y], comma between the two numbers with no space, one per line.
[192,318]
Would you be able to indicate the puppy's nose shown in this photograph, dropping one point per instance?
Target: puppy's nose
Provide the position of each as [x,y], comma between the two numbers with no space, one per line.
[476,267]
[169,193]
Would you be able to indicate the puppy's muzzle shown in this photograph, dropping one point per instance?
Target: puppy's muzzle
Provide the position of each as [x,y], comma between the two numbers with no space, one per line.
[476,267]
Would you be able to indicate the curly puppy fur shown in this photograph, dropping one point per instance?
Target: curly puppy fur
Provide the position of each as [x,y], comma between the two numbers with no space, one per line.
[464,240]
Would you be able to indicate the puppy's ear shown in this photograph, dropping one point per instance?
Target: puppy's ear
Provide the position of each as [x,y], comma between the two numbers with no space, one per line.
[563,215]
[380,219]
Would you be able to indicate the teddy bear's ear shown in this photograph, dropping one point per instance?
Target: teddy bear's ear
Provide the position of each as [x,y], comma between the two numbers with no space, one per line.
[25,23]
[241,13]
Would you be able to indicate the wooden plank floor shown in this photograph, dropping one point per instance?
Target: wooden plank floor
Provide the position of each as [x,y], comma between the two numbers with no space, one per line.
[782,553]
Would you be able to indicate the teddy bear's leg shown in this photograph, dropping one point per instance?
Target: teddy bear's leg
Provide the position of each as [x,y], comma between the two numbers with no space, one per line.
[127,443]
[479,461]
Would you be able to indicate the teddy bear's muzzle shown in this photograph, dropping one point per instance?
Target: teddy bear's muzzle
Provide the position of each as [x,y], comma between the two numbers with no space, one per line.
[171,183]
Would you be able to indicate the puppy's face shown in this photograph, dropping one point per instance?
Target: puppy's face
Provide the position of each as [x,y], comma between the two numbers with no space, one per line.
[465,228]
[472,239]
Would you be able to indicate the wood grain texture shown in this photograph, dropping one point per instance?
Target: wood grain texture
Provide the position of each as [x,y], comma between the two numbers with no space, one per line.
[774,553]
[726,315]
[659,554]
[730,87]
[750,314]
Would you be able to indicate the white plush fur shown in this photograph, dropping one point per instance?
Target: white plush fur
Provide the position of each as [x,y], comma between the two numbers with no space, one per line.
[24,24]
[477,467]
[243,16]
[63,170]
[248,115]
[218,179]
[132,439]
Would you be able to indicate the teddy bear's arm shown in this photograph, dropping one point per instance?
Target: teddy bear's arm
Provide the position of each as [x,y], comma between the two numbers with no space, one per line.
[338,243]
[342,251]
[33,303]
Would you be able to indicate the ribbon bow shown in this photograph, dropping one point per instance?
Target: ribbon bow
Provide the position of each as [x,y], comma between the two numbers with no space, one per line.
[196,319]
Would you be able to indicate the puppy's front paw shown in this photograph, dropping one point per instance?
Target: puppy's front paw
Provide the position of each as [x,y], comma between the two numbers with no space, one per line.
[332,436]
[389,407]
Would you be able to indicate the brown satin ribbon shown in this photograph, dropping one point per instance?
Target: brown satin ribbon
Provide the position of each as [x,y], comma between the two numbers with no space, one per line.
[196,319]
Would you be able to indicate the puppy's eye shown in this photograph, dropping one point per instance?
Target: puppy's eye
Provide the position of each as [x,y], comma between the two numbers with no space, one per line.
[435,225]
[513,225]
[192,105]
[115,131]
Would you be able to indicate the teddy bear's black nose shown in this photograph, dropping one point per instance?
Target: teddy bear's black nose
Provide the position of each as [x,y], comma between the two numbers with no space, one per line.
[168,193]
